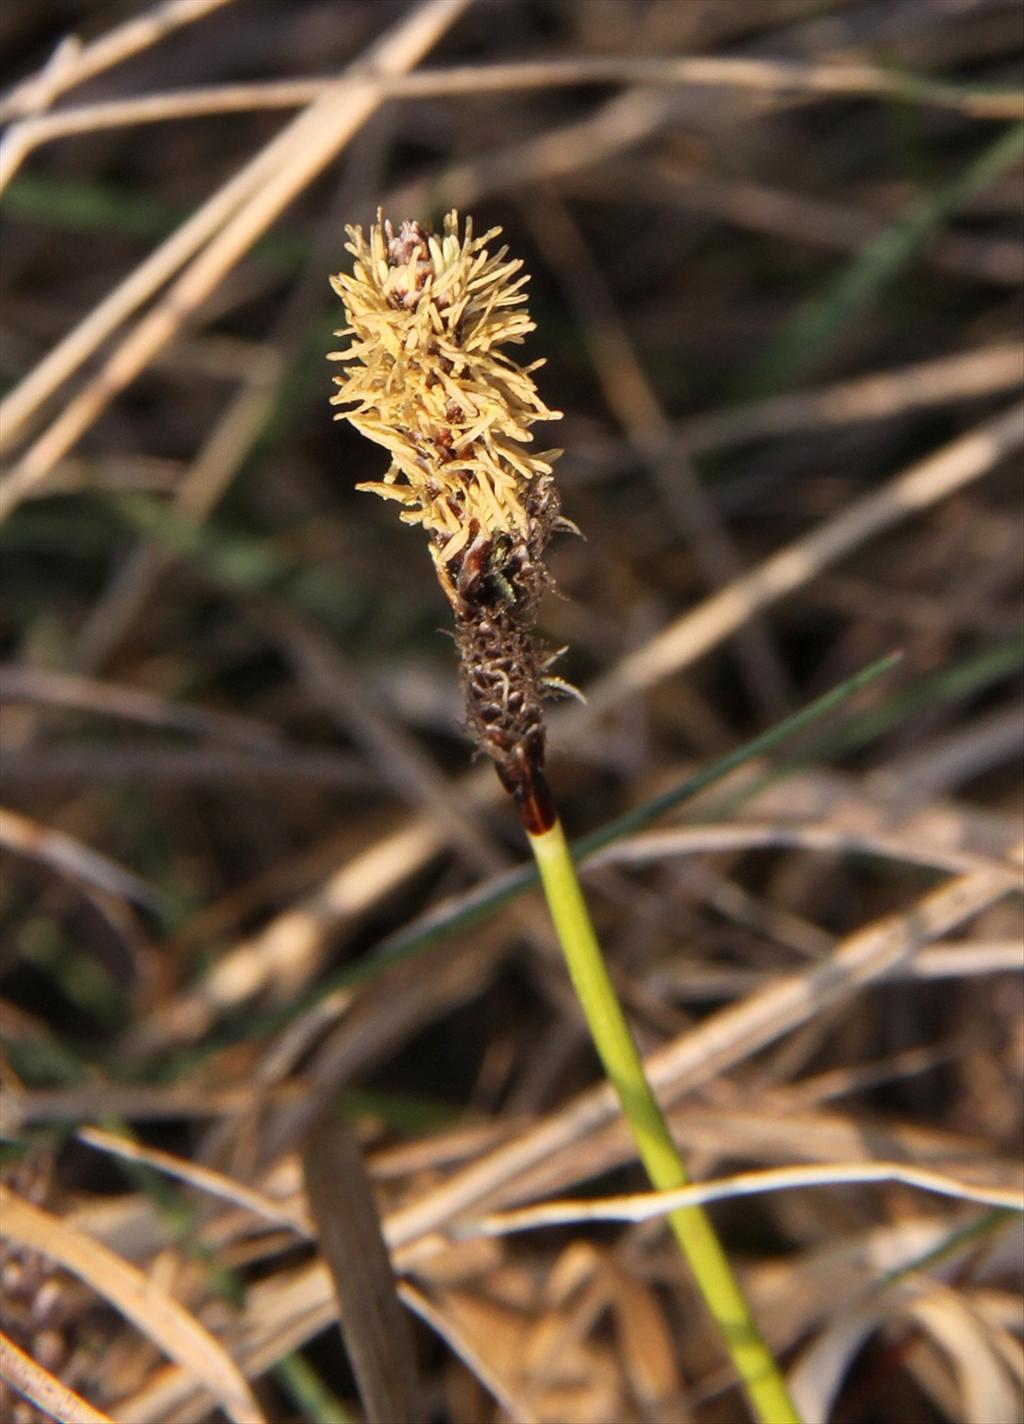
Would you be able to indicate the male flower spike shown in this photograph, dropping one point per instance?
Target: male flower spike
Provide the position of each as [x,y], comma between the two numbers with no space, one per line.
[427,378]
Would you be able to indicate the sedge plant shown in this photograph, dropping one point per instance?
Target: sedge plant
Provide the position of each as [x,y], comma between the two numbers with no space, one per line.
[427,374]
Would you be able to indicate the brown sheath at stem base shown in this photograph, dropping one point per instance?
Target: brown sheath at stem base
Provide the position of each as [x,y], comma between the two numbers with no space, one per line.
[529,786]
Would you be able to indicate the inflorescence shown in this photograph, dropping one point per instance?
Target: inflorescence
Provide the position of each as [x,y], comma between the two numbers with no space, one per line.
[427,378]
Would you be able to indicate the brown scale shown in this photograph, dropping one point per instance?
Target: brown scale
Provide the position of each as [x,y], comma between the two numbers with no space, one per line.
[498,584]
[501,687]
[407,246]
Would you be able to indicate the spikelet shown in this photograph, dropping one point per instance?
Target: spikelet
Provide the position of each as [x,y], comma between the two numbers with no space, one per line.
[426,376]
[428,379]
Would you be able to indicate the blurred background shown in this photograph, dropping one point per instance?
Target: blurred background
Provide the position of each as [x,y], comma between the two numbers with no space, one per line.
[776,270]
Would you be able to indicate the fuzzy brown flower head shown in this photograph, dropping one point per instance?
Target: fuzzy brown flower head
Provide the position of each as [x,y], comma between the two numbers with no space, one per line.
[427,377]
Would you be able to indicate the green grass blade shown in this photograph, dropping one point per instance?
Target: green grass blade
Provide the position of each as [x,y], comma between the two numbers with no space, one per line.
[820,320]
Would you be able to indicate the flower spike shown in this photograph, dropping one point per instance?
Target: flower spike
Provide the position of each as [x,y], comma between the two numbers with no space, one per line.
[427,376]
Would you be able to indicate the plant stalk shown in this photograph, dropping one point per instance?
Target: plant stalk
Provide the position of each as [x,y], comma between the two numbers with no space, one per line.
[759,1373]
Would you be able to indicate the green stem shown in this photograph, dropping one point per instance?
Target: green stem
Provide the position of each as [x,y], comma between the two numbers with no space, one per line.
[762,1380]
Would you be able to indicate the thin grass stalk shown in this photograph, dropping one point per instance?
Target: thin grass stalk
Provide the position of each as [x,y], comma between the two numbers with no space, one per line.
[715,1279]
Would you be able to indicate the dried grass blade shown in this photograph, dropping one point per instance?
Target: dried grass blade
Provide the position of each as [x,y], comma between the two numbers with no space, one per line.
[23,1374]
[819,1374]
[159,1316]
[50,688]
[646,1206]
[455,1334]
[988,1394]
[232,220]
[494,78]
[879,396]
[923,484]
[204,1178]
[826,840]
[70,857]
[86,61]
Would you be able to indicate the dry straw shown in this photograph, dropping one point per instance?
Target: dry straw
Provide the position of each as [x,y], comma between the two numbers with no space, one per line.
[426,375]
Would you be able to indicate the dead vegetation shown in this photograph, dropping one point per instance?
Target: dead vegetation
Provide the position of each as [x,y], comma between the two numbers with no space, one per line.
[249,877]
